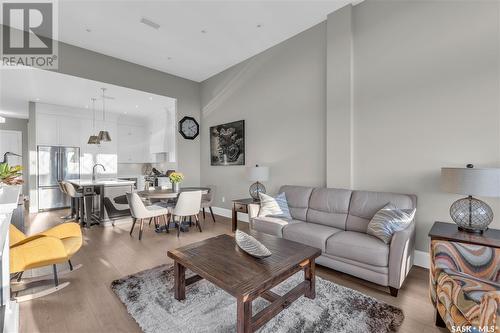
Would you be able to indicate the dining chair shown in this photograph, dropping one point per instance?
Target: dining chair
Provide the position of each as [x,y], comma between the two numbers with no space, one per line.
[141,212]
[207,201]
[188,205]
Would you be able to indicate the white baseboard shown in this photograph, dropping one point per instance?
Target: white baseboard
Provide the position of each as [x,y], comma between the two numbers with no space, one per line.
[229,213]
[420,258]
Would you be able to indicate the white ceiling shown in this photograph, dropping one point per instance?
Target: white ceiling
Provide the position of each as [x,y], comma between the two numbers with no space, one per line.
[179,47]
[19,86]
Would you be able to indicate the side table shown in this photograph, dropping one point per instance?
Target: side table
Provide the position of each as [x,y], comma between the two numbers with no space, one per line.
[240,206]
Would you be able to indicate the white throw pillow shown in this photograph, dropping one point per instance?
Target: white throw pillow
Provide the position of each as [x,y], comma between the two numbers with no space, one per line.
[275,207]
[388,221]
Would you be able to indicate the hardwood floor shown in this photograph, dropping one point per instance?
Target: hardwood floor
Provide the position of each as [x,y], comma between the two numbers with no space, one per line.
[108,253]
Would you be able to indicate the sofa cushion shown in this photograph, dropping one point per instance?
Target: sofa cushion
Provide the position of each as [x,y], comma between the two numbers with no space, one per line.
[275,207]
[360,247]
[271,225]
[329,206]
[388,221]
[365,204]
[311,234]
[298,200]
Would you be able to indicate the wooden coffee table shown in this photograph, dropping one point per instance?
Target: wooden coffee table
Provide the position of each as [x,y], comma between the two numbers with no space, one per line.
[220,261]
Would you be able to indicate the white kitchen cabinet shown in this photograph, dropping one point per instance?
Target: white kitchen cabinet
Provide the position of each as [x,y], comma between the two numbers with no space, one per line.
[55,130]
[70,131]
[11,141]
[47,130]
[132,144]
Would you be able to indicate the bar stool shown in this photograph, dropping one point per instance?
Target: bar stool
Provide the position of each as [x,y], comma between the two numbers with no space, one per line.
[77,199]
[72,212]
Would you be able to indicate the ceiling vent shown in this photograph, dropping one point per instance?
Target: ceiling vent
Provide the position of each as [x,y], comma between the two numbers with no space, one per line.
[150,23]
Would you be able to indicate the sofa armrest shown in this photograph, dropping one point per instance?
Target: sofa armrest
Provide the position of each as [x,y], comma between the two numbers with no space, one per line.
[401,255]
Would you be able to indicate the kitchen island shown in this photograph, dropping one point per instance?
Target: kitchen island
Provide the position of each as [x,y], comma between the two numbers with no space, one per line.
[95,192]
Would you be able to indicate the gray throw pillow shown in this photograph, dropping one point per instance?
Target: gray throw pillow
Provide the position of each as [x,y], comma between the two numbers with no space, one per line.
[275,207]
[388,221]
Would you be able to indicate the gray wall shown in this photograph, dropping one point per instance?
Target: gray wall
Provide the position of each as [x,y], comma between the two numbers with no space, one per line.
[95,66]
[426,95]
[21,125]
[280,94]
[379,97]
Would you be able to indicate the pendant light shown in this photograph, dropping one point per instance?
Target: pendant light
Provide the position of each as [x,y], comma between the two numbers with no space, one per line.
[104,135]
[93,139]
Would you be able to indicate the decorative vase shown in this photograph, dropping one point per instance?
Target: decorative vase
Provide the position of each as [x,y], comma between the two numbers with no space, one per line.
[175,187]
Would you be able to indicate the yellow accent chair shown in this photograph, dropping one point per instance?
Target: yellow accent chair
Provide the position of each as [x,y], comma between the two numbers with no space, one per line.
[54,246]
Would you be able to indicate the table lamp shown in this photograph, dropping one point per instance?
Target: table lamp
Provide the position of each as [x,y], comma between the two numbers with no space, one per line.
[471,214]
[257,174]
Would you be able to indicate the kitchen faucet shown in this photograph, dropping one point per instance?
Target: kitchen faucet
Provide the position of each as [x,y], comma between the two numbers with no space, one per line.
[93,170]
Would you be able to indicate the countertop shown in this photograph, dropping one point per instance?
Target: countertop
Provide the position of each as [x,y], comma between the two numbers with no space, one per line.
[101,182]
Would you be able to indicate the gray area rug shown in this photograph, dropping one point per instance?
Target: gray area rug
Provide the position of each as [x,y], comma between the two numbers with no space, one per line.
[149,298]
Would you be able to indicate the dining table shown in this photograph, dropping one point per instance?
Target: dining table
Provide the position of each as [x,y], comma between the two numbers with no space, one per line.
[158,193]
[168,193]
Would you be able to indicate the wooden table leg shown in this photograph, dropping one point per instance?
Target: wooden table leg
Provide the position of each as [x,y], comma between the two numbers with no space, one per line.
[234,221]
[310,277]
[244,316]
[180,281]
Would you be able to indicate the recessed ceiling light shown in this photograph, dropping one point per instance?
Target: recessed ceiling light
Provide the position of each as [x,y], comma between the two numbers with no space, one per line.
[150,23]
[86,106]
[136,106]
[125,112]
[203,31]
[169,58]
[37,99]
[150,98]
[259,25]
[88,30]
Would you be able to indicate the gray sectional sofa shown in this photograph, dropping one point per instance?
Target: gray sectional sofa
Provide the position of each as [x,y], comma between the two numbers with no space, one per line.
[335,221]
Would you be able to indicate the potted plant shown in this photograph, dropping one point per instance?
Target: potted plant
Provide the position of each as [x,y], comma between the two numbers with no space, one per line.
[10,175]
[175,179]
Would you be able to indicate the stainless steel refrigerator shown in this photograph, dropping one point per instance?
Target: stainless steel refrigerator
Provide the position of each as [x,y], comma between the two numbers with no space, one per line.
[55,164]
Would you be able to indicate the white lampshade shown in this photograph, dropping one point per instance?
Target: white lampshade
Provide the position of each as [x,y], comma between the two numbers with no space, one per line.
[471,181]
[258,173]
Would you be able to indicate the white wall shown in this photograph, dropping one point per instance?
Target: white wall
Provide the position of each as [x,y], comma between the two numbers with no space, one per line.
[280,94]
[95,66]
[378,98]
[426,89]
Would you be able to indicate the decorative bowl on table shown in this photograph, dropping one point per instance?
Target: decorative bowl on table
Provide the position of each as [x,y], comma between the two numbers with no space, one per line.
[250,245]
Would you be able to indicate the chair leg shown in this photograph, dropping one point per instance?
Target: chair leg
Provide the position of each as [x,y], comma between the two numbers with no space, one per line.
[212,212]
[151,219]
[20,276]
[142,228]
[178,224]
[70,265]
[56,280]
[166,221]
[203,210]
[197,222]
[439,321]
[133,225]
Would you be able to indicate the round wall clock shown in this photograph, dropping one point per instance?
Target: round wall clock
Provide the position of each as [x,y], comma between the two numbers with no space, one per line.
[189,128]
